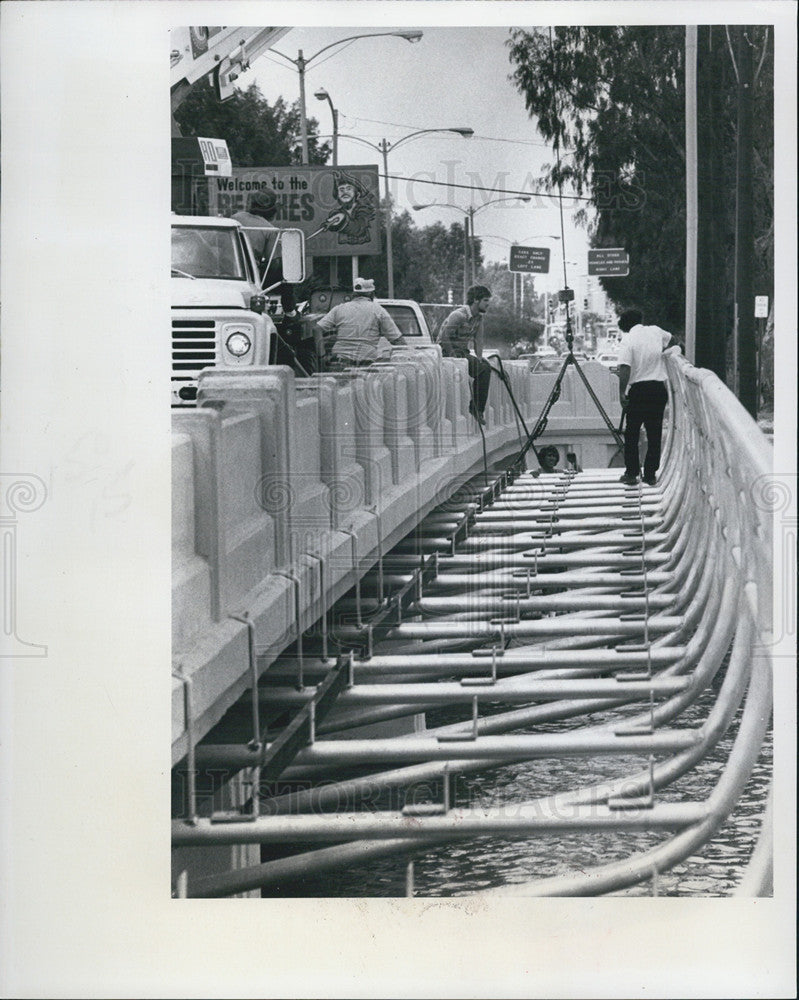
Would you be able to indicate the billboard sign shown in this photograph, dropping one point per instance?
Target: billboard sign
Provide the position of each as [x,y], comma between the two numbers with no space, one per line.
[338,208]
[609,262]
[529,260]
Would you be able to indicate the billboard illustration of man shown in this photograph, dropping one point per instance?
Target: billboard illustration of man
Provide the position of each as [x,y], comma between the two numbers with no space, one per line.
[353,217]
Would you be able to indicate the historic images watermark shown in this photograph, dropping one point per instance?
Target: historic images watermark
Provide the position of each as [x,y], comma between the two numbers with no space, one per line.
[448,183]
[20,493]
[774,495]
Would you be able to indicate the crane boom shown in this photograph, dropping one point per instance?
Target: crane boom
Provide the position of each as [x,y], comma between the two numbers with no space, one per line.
[223,52]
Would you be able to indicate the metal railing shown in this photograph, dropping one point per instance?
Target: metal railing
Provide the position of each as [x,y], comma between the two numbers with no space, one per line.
[568,599]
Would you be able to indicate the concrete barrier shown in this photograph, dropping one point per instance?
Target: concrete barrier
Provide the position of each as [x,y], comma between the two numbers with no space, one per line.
[191,573]
[286,491]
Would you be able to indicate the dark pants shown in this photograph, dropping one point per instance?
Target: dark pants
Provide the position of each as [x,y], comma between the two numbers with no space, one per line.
[647,401]
[480,372]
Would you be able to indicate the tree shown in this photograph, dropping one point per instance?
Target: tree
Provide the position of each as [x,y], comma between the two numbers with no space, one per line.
[257,133]
[505,322]
[612,99]
[428,262]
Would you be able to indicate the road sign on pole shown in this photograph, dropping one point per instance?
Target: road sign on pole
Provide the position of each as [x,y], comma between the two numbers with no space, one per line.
[761,307]
[529,260]
[609,262]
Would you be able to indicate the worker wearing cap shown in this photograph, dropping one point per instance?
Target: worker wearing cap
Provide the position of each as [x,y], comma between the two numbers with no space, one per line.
[357,326]
[257,222]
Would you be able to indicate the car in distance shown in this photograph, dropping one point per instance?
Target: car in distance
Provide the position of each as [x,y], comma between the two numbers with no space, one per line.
[550,363]
[609,360]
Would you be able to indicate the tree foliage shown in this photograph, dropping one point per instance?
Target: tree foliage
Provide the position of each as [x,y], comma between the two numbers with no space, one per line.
[428,261]
[257,133]
[613,100]
[509,320]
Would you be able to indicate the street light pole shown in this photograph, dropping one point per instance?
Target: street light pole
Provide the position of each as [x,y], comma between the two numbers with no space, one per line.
[322,95]
[301,64]
[465,255]
[384,147]
[469,256]
[389,236]
[472,267]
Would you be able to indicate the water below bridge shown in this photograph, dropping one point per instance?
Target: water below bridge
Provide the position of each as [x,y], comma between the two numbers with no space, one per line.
[491,863]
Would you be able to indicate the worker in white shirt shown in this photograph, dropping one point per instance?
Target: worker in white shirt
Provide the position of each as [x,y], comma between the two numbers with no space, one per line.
[642,391]
[356,327]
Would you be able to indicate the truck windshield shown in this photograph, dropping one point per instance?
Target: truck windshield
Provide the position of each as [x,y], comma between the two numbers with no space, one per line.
[206,252]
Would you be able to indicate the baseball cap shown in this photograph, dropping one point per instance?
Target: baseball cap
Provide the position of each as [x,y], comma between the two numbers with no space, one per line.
[363,285]
[264,200]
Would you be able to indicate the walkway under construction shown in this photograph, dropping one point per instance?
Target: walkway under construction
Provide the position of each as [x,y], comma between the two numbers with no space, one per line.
[565,615]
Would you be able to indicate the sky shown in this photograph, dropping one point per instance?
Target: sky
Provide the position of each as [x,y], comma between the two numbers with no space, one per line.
[386,88]
[85,296]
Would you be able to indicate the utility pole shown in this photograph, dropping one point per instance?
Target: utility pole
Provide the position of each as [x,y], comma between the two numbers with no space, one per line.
[300,63]
[383,146]
[714,68]
[465,255]
[744,261]
[691,201]
[471,243]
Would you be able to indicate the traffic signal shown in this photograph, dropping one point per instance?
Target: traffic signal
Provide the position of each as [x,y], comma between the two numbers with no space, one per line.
[585,302]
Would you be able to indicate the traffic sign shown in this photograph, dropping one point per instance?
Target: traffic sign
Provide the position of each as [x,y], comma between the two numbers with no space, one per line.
[529,260]
[761,307]
[609,262]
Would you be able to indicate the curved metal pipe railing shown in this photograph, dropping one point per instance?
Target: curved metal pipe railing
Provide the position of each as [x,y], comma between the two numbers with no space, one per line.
[700,547]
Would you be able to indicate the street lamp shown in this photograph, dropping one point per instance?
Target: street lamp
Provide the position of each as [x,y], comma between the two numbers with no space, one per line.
[301,64]
[322,95]
[468,227]
[384,147]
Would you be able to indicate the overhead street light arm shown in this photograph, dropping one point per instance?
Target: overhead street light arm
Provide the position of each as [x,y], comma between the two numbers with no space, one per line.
[467,133]
[357,138]
[473,209]
[301,64]
[409,36]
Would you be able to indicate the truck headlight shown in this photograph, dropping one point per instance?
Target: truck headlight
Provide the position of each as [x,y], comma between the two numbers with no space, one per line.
[238,338]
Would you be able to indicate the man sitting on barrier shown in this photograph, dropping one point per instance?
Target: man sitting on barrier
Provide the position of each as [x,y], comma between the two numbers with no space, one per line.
[358,326]
[641,367]
[463,325]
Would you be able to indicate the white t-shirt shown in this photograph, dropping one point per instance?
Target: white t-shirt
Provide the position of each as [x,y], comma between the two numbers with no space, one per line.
[642,349]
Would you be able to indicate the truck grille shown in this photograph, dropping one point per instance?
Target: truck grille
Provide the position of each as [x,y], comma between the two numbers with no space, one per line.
[193,348]
[193,345]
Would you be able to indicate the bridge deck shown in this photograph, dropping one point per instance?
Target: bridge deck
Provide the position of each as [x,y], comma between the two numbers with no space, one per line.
[569,601]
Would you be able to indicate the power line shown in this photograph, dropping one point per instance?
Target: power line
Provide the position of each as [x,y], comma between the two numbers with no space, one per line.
[477,187]
[487,138]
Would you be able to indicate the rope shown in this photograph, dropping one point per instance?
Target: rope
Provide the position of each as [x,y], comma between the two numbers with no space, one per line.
[503,377]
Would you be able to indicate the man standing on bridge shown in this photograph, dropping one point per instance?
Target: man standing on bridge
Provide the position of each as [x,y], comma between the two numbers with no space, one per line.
[642,391]
[358,326]
[463,325]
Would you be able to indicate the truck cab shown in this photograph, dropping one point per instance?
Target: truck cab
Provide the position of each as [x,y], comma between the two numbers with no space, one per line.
[219,315]
[410,319]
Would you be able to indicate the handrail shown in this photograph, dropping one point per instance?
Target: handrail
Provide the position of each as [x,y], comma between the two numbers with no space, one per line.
[703,544]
